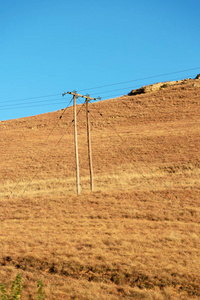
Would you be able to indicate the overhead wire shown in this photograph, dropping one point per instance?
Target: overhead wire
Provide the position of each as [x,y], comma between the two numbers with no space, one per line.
[31,98]
[163,182]
[136,86]
[144,78]
[138,104]
[30,103]
[137,169]
[126,88]
[36,154]
[101,86]
[44,160]
[121,89]
[123,152]
[28,106]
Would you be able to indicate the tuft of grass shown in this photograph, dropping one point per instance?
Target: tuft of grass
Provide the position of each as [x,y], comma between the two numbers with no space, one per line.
[3,291]
[16,290]
[40,290]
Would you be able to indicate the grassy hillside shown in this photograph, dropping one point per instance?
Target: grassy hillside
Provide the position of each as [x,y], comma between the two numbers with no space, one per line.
[137,235]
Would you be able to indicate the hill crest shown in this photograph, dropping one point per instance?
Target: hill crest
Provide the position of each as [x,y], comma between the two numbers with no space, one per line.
[161,85]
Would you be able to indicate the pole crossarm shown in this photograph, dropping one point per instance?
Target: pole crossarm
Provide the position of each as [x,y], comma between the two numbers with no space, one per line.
[78,95]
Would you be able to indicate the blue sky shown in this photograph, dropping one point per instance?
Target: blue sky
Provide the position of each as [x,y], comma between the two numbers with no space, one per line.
[51,47]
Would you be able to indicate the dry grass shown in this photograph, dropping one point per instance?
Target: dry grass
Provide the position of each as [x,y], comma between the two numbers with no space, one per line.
[137,235]
[117,241]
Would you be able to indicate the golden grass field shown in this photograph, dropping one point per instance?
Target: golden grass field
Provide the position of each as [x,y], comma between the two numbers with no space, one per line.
[137,236]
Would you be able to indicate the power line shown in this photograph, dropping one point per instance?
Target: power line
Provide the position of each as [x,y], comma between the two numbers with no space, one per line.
[28,106]
[138,104]
[43,144]
[35,102]
[124,152]
[4,107]
[144,78]
[31,98]
[131,87]
[44,160]
[126,88]
[141,160]
[102,86]
[137,169]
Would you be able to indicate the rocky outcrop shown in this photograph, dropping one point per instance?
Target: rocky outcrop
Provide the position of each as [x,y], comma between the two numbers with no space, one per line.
[152,87]
[158,86]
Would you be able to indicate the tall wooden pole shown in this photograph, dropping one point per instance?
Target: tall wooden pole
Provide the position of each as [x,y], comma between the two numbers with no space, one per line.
[76,149]
[89,147]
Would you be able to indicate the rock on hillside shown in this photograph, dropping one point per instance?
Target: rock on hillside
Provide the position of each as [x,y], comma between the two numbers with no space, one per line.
[158,86]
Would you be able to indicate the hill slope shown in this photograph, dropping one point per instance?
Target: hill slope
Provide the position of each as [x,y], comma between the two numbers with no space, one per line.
[137,235]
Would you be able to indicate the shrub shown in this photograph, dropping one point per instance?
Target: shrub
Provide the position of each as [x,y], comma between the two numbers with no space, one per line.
[40,291]
[16,290]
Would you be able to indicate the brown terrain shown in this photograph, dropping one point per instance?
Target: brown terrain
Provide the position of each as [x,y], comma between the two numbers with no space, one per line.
[137,236]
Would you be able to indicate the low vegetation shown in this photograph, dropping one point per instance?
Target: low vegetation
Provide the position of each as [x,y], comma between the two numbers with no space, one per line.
[16,290]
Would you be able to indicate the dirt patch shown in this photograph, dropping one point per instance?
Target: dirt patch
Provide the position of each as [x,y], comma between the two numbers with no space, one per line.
[118,276]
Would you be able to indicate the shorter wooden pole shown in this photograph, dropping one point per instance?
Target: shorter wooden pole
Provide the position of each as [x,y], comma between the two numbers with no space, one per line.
[89,147]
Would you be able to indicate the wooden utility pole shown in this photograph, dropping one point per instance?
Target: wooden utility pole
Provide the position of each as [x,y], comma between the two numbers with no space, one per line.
[89,147]
[88,98]
[76,149]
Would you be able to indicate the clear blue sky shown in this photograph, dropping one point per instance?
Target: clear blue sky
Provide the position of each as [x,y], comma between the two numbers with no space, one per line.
[48,47]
